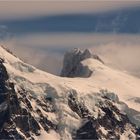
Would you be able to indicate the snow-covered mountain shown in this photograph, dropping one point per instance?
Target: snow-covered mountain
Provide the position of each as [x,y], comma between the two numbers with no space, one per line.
[90,101]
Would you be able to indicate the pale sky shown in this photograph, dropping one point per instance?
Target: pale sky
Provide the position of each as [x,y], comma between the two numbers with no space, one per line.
[119,51]
[25,9]
[48,47]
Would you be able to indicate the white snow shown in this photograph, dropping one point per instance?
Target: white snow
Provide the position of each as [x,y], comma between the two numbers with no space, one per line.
[128,134]
[125,86]
[52,135]
[105,132]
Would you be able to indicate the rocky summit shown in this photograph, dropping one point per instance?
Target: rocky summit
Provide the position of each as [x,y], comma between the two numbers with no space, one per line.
[72,66]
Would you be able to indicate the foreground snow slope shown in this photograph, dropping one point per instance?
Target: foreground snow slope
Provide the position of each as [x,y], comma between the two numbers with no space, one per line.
[103,78]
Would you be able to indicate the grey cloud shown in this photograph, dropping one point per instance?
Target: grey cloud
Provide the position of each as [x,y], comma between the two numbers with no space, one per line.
[26,9]
[121,56]
[46,51]
[44,60]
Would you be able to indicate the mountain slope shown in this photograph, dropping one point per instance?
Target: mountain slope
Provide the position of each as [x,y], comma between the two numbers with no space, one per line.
[40,105]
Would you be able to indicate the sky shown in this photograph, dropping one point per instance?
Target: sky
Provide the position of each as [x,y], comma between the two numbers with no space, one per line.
[40,32]
[20,9]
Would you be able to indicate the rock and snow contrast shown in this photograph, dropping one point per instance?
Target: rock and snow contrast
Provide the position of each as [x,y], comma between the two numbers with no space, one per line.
[90,100]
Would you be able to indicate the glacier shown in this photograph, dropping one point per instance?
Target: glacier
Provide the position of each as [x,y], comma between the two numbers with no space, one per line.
[99,103]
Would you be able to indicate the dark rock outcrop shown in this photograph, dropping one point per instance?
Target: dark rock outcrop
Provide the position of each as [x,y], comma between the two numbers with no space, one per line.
[72,66]
[111,119]
[17,120]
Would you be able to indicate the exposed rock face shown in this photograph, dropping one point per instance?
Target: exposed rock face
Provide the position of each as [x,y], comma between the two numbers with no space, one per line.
[16,112]
[72,66]
[109,124]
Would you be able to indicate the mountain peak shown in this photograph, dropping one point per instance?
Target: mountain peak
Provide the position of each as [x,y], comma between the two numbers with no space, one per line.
[72,66]
[38,105]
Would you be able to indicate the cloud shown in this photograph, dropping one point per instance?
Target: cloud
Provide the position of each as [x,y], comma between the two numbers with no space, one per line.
[121,56]
[36,56]
[27,9]
[46,51]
